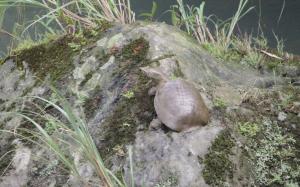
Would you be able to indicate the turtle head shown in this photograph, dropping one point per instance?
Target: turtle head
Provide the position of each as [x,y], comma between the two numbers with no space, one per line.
[155,73]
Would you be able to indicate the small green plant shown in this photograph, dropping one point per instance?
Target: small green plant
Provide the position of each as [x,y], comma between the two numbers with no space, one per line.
[129,94]
[219,103]
[252,58]
[248,129]
[74,46]
[50,127]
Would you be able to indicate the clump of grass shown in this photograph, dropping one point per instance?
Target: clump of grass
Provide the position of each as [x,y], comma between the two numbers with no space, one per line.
[70,133]
[85,13]
[196,23]
[70,16]
[218,36]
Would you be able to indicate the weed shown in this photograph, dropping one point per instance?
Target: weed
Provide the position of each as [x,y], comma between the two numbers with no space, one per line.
[129,94]
[248,129]
[219,103]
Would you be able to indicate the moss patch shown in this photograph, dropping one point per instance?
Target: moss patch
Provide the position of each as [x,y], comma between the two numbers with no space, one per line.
[53,55]
[218,166]
[53,58]
[136,50]
[121,126]
[93,103]
[1,61]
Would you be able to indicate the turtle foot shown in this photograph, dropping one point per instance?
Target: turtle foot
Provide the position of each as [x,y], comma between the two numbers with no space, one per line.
[152,91]
[155,124]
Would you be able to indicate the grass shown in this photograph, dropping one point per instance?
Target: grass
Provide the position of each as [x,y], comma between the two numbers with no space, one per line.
[71,133]
[85,13]
[219,37]
[70,16]
[196,23]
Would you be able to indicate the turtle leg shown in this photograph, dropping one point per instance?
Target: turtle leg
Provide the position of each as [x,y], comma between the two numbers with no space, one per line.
[152,91]
[155,124]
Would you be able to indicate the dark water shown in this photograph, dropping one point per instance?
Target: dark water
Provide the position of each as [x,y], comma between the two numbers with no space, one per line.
[266,12]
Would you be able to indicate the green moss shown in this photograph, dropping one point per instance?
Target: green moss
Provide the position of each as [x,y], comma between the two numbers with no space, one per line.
[92,103]
[136,50]
[121,126]
[86,78]
[53,55]
[218,166]
[53,58]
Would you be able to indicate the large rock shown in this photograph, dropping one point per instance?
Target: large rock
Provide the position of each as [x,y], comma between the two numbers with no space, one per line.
[104,79]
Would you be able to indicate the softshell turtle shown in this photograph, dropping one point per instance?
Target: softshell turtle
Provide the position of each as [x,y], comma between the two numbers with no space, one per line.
[178,104]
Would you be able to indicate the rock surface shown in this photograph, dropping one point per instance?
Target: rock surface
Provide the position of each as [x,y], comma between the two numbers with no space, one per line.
[104,79]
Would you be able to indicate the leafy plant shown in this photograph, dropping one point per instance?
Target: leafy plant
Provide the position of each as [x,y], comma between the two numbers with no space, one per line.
[248,129]
[129,94]
[219,103]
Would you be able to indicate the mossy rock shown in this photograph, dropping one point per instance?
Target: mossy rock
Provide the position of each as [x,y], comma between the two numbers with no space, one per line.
[218,166]
[129,112]
[53,58]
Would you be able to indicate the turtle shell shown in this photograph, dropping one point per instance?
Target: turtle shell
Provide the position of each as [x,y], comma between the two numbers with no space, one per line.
[179,105]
